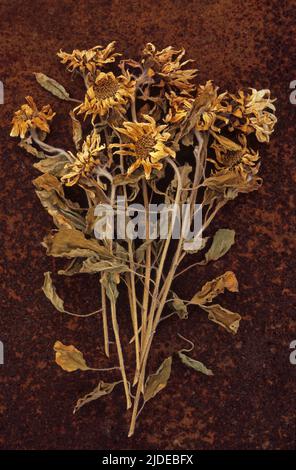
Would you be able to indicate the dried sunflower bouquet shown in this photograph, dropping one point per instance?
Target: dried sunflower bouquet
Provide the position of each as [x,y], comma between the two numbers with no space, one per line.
[146,140]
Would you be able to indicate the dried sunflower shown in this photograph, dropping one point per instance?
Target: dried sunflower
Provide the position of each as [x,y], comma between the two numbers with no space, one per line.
[146,143]
[107,92]
[244,158]
[86,161]
[254,113]
[167,65]
[89,60]
[213,107]
[180,106]
[29,117]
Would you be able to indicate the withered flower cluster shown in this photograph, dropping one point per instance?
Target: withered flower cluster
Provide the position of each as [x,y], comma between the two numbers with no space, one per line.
[132,130]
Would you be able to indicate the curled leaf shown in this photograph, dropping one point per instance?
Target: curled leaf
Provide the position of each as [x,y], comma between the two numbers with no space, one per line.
[196,365]
[102,389]
[156,382]
[211,289]
[64,212]
[227,319]
[222,242]
[227,143]
[50,292]
[179,306]
[69,358]
[52,86]
[71,243]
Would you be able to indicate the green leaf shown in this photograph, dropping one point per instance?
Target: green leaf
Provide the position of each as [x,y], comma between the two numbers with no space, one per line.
[196,365]
[222,242]
[156,382]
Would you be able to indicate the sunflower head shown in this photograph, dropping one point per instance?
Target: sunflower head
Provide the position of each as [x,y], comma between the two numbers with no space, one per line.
[179,108]
[146,143]
[254,113]
[242,158]
[29,117]
[86,161]
[107,92]
[167,66]
[214,108]
[89,60]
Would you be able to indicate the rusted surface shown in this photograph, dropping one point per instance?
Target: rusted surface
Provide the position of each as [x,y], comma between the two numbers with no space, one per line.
[250,401]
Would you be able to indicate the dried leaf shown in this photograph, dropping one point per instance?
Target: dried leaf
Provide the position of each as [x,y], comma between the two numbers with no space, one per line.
[92,265]
[140,252]
[48,182]
[52,86]
[215,287]
[227,143]
[71,243]
[50,292]
[73,267]
[102,389]
[222,242]
[64,212]
[53,165]
[110,280]
[31,150]
[76,130]
[179,306]
[69,358]
[218,314]
[224,180]
[196,365]
[156,382]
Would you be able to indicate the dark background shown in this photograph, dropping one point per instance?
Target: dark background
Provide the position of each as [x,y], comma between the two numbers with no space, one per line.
[250,401]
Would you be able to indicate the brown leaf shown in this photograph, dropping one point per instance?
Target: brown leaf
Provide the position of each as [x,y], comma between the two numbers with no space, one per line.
[156,382]
[215,287]
[50,292]
[52,86]
[76,130]
[102,389]
[179,306]
[227,143]
[218,314]
[69,358]
[31,150]
[71,243]
[48,182]
[64,212]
